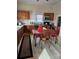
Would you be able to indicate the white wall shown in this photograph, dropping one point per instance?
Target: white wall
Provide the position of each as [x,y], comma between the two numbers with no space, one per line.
[40,9]
[57,11]
[35,9]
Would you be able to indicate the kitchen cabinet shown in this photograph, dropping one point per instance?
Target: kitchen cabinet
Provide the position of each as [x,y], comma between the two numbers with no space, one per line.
[28,28]
[22,30]
[49,16]
[23,15]
[20,33]
[24,49]
[25,29]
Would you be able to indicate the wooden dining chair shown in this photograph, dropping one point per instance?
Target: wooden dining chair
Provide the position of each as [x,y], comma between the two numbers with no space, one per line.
[37,35]
[54,33]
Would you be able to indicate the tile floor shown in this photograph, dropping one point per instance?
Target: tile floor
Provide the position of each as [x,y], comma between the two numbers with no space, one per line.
[53,50]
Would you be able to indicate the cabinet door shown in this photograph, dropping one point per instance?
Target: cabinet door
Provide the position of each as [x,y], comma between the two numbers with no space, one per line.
[19,34]
[23,15]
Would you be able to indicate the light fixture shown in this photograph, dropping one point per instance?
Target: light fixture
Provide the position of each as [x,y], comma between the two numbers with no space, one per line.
[38,0]
[46,0]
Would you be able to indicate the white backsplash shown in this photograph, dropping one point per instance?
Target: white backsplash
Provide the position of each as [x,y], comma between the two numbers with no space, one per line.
[26,22]
[29,22]
[33,21]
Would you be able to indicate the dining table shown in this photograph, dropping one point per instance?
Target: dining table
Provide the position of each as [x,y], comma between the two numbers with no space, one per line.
[46,33]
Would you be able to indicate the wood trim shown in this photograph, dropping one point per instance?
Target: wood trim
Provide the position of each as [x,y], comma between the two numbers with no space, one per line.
[22,14]
[51,15]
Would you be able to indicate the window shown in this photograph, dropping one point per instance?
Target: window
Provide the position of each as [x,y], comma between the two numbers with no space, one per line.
[39,18]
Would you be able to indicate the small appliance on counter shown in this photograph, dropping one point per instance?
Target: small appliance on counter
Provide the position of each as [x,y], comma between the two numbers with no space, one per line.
[19,23]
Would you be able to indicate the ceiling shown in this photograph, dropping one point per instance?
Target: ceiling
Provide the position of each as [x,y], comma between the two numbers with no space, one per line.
[38,2]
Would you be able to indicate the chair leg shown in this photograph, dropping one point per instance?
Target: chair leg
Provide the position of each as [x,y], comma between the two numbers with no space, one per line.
[40,44]
[56,40]
[35,41]
[47,40]
[48,43]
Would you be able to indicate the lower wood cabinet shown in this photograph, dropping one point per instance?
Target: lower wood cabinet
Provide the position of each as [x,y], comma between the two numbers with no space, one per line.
[30,27]
[24,48]
[24,29]
[19,34]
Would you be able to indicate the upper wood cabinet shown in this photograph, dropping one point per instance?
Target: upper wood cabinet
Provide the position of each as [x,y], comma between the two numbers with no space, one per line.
[49,16]
[21,14]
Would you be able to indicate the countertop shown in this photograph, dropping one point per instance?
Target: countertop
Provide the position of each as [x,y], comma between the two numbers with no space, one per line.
[18,27]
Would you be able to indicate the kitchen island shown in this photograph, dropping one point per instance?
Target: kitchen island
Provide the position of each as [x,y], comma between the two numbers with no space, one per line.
[24,49]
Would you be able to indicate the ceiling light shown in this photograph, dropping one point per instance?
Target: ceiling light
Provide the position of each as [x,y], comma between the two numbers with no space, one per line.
[46,0]
[38,0]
